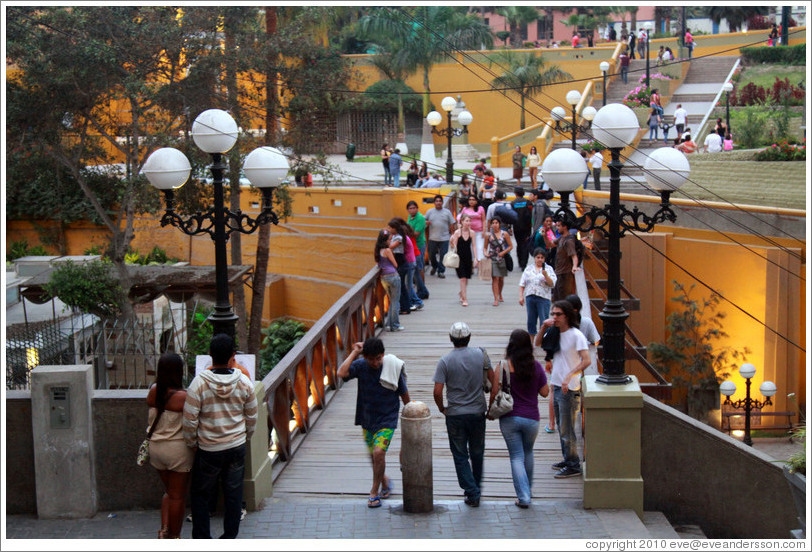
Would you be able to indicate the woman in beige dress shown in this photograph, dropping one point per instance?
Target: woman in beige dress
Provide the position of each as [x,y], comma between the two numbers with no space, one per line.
[168,453]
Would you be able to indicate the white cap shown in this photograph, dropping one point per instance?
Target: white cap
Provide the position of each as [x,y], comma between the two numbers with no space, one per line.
[460,330]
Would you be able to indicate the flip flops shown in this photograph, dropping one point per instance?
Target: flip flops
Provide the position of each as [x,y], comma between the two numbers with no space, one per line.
[386,490]
[374,502]
[548,430]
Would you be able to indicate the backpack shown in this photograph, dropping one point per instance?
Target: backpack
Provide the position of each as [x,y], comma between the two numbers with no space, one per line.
[506,214]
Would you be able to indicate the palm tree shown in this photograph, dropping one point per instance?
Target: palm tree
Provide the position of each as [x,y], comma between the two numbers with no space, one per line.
[735,16]
[586,20]
[526,75]
[425,35]
[515,17]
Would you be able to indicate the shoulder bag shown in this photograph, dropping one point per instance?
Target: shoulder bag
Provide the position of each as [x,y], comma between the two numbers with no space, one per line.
[143,451]
[451,259]
[503,402]
[486,365]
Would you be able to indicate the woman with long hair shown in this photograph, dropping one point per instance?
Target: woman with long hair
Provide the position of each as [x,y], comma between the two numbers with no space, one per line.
[463,242]
[402,234]
[474,210]
[533,162]
[390,280]
[498,244]
[520,426]
[168,453]
[386,152]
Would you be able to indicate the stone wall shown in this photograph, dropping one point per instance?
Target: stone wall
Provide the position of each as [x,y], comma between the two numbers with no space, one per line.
[699,476]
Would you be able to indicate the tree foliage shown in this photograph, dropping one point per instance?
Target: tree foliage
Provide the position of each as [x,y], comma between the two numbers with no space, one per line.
[736,16]
[525,74]
[90,287]
[279,338]
[515,17]
[690,354]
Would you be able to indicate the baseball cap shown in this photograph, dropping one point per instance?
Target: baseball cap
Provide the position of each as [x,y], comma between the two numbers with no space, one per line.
[460,330]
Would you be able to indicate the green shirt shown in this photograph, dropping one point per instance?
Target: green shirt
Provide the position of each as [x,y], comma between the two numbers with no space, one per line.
[418,224]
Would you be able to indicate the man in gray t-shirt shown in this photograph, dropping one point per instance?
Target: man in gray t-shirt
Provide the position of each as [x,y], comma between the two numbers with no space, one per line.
[439,224]
[460,372]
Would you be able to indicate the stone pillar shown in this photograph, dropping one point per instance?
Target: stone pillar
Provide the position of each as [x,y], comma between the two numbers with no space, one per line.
[415,458]
[258,479]
[64,454]
[612,450]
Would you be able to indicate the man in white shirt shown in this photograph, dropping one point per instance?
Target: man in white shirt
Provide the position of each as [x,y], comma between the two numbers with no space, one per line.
[596,162]
[713,143]
[569,363]
[642,37]
[680,115]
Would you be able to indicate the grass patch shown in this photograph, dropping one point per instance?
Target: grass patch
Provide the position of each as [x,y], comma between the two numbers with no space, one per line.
[765,75]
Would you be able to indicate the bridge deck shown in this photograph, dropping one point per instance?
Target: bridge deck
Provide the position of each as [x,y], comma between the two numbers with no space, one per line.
[333,460]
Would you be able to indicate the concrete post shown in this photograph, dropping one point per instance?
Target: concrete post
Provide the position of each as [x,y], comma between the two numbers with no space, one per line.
[64,452]
[415,458]
[258,479]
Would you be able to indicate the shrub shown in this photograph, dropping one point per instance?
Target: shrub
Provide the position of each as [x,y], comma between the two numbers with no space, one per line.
[200,334]
[782,151]
[89,287]
[797,462]
[593,145]
[759,22]
[21,248]
[658,75]
[784,55]
[750,124]
[639,97]
[280,337]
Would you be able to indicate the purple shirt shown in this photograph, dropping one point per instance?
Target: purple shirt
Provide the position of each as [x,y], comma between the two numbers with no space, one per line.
[526,393]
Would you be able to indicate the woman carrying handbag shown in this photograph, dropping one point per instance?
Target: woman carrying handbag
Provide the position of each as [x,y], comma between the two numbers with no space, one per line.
[462,241]
[520,426]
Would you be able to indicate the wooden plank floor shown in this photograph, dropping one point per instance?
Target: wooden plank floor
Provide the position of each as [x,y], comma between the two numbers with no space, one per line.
[333,461]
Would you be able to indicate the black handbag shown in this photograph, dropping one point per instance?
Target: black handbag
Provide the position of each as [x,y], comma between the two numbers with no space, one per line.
[508,262]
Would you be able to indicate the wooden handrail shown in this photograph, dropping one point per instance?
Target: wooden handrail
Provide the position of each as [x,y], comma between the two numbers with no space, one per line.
[305,380]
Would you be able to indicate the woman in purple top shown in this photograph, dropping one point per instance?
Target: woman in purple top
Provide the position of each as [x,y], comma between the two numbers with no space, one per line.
[390,280]
[520,426]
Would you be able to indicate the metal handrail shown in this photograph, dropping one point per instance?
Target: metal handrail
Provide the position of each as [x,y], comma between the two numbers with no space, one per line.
[699,134]
[305,380]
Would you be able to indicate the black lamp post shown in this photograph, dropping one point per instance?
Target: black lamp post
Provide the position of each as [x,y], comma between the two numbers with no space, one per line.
[615,126]
[767,388]
[215,132]
[728,88]
[572,127]
[604,68]
[434,118]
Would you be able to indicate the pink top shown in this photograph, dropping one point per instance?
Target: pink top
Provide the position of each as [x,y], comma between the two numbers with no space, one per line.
[408,251]
[476,217]
[727,145]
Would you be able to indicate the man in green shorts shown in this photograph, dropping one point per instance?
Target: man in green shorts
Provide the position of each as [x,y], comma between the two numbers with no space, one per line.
[376,407]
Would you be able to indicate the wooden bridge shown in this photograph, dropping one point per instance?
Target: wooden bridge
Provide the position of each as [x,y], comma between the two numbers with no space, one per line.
[333,460]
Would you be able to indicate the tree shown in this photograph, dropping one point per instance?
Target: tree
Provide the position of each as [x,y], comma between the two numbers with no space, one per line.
[425,35]
[735,16]
[526,75]
[586,20]
[515,17]
[690,355]
[87,89]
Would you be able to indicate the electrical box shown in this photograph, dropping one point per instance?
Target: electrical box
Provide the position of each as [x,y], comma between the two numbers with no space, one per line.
[59,402]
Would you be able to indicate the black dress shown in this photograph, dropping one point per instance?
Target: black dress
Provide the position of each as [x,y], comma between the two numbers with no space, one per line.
[466,268]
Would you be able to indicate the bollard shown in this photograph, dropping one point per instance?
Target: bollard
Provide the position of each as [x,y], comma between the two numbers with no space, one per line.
[415,458]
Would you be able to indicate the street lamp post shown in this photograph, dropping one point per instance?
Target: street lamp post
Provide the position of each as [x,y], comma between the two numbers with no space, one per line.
[767,388]
[728,88]
[434,118]
[647,25]
[615,126]
[215,132]
[604,68]
[559,115]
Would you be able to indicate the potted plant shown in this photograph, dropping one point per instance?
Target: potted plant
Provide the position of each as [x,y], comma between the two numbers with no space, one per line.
[795,472]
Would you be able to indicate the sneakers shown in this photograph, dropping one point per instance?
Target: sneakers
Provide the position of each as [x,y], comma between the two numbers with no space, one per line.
[396,329]
[567,471]
[441,275]
[243,512]
[559,465]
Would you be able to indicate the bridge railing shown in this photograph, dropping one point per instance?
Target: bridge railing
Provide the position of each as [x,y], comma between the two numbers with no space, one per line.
[304,381]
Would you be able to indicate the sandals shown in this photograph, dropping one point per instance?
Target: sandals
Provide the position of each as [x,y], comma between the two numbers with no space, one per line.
[386,490]
[374,502]
[548,430]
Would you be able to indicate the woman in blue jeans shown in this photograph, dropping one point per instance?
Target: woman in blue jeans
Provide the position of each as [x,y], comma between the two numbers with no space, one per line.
[520,426]
[390,280]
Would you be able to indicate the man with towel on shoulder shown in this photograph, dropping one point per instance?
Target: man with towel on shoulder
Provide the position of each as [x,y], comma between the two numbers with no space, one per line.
[381,381]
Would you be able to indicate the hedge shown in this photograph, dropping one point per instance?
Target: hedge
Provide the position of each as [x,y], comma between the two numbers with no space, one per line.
[785,55]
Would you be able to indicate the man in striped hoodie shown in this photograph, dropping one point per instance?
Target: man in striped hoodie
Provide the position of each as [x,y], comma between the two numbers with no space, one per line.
[218,418]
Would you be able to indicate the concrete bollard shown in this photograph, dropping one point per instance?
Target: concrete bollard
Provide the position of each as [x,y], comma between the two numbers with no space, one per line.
[415,458]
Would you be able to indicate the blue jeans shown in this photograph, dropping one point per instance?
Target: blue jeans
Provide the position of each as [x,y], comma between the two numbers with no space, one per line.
[414,299]
[406,287]
[395,174]
[624,74]
[391,283]
[208,468]
[567,406]
[387,175]
[437,250]
[422,291]
[466,437]
[653,132]
[520,436]
[538,310]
